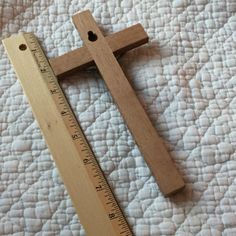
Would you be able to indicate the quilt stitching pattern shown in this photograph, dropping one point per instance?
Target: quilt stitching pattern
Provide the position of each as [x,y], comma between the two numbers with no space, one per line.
[185,78]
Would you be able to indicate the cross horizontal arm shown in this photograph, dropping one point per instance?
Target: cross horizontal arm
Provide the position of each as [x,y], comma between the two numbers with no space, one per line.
[80,58]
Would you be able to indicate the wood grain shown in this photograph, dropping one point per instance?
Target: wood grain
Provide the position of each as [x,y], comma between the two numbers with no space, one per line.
[80,58]
[150,144]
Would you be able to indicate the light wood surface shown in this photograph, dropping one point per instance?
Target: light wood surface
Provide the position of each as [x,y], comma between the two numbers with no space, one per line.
[80,58]
[92,198]
[150,144]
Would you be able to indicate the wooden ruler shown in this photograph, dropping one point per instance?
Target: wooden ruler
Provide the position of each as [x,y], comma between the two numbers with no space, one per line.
[91,195]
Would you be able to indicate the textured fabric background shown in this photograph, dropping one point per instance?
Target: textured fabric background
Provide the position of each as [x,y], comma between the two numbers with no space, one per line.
[185,79]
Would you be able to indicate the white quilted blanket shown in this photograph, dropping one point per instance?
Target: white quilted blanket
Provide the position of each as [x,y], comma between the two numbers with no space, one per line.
[185,78]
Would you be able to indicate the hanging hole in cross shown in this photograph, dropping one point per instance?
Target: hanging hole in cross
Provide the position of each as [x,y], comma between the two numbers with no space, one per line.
[92,36]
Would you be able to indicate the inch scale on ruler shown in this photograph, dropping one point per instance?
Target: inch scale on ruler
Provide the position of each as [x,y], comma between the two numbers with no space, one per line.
[92,197]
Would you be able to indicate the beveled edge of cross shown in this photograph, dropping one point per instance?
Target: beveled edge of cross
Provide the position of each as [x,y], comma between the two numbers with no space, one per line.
[80,58]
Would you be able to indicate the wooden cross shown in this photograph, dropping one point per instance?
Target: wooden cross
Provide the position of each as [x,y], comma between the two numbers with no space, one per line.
[100,50]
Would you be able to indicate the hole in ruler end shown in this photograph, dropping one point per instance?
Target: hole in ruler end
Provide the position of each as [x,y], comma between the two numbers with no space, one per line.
[22,47]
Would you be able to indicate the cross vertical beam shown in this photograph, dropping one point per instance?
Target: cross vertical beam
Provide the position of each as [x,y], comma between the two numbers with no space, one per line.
[145,135]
